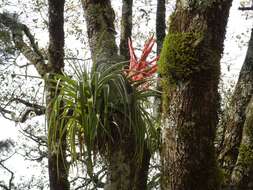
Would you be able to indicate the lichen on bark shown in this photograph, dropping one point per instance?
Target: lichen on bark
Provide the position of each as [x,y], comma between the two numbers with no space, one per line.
[101,31]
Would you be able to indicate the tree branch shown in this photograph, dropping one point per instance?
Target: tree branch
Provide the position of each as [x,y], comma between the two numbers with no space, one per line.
[160,24]
[31,108]
[31,52]
[10,184]
[29,104]
[12,175]
[246,8]
[126,27]
[235,117]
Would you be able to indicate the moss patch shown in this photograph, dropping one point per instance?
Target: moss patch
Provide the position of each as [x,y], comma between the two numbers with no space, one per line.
[246,156]
[179,59]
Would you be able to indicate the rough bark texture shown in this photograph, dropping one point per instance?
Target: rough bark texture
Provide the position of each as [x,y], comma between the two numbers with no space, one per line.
[160,24]
[126,27]
[123,170]
[142,173]
[126,170]
[236,115]
[99,17]
[242,175]
[160,35]
[57,163]
[190,68]
[121,167]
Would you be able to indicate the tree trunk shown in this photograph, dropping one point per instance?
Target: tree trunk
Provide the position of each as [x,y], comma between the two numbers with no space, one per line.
[126,27]
[123,169]
[57,163]
[236,115]
[99,17]
[190,68]
[160,24]
[142,173]
[242,175]
[160,35]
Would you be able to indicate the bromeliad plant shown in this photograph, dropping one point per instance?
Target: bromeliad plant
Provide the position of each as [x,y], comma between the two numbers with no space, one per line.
[141,69]
[92,108]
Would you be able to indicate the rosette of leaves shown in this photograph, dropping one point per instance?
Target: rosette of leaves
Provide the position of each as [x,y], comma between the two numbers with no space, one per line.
[98,109]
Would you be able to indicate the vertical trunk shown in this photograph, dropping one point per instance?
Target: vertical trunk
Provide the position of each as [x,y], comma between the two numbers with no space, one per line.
[190,67]
[57,164]
[235,118]
[160,35]
[141,181]
[160,24]
[126,27]
[242,175]
[125,33]
[123,170]
[99,17]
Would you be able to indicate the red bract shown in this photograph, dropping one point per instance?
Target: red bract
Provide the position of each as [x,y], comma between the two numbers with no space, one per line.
[141,69]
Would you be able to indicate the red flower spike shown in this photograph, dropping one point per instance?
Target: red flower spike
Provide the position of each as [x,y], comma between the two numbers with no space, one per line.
[147,48]
[131,51]
[142,69]
[152,71]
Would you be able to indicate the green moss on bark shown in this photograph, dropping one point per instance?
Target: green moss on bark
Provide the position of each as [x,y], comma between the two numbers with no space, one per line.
[179,59]
[246,155]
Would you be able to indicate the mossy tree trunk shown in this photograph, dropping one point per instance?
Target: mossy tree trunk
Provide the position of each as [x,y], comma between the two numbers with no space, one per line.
[124,172]
[235,120]
[57,163]
[190,68]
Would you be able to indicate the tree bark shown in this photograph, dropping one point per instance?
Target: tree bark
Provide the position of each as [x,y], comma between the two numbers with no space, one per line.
[142,172]
[57,163]
[190,68]
[242,175]
[160,24]
[126,28]
[100,17]
[121,167]
[235,120]
[160,35]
